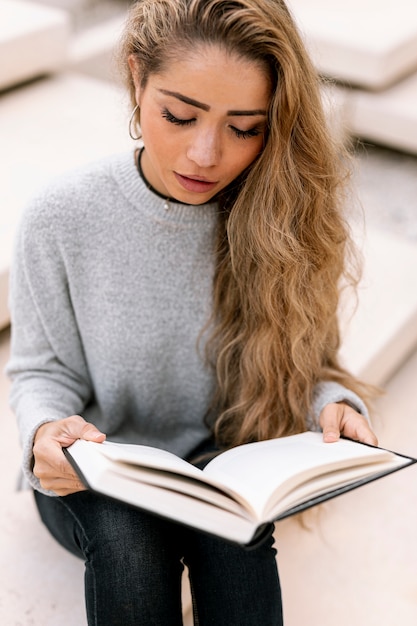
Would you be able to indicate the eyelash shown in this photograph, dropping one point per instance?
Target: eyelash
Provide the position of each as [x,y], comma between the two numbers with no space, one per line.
[175,120]
[246,134]
[241,134]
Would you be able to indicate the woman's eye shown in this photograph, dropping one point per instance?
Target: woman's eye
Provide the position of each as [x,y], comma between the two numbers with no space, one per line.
[246,134]
[176,120]
[241,134]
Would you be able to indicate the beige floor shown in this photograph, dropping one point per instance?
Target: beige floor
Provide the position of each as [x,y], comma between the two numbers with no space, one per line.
[357,564]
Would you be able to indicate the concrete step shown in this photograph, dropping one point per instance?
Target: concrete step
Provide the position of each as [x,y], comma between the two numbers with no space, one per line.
[389,117]
[47,127]
[33,41]
[92,50]
[381,332]
[370,43]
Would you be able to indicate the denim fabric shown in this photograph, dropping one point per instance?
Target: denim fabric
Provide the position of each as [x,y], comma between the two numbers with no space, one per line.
[134,563]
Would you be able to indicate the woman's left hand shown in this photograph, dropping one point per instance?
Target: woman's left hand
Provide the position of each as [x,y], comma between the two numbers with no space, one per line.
[340,419]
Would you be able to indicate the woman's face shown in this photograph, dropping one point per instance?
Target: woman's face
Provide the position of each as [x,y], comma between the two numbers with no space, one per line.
[203,121]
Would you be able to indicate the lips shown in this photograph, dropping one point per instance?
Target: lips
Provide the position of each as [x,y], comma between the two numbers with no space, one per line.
[195,184]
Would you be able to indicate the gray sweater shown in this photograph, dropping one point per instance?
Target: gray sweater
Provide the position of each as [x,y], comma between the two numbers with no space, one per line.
[109,292]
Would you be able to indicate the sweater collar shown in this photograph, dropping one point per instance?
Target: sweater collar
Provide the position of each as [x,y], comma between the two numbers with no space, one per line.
[141,194]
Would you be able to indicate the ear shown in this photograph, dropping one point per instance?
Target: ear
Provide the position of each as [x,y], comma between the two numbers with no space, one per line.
[136,75]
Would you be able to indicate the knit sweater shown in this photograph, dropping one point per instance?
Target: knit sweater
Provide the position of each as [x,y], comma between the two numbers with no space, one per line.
[109,294]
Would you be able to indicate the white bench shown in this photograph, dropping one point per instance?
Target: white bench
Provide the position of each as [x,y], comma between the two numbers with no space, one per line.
[388,117]
[371,43]
[382,332]
[33,41]
[92,51]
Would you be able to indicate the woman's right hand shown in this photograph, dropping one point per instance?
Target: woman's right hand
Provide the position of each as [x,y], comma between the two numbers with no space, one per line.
[50,465]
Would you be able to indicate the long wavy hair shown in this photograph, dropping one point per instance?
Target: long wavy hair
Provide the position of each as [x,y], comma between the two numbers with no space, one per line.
[283,245]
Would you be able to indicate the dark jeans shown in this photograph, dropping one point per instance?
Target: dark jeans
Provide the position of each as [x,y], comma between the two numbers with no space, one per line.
[134,564]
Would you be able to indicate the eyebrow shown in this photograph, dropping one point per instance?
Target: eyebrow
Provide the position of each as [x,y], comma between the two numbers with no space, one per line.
[206,107]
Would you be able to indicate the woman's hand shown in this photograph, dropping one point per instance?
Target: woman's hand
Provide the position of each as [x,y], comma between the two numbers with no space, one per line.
[50,465]
[340,419]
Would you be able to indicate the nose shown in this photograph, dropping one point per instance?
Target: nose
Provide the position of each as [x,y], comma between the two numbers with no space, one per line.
[205,149]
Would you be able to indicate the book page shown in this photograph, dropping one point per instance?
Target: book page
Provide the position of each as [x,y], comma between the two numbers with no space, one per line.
[260,469]
[176,506]
[147,456]
[173,482]
[164,469]
[312,488]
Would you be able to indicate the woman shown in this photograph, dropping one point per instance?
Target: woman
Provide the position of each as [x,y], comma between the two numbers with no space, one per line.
[185,296]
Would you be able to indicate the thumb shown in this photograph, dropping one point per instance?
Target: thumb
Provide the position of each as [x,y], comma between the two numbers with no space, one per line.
[75,427]
[89,432]
[330,419]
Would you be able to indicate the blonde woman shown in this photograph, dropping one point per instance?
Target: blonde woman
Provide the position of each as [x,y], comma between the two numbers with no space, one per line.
[184,295]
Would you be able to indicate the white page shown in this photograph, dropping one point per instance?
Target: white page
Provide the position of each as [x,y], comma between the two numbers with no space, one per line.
[147,456]
[256,469]
[173,505]
[323,484]
[125,456]
[169,481]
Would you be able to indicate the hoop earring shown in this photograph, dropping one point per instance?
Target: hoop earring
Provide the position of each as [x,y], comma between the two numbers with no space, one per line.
[135,110]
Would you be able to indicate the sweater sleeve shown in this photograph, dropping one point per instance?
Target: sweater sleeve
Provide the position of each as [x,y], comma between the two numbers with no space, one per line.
[328,392]
[47,365]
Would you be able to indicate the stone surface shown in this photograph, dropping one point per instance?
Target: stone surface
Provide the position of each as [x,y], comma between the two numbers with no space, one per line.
[88,13]
[381,332]
[33,41]
[337,110]
[388,117]
[93,50]
[386,183]
[371,43]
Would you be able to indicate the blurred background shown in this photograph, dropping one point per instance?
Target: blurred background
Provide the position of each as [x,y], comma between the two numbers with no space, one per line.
[61,105]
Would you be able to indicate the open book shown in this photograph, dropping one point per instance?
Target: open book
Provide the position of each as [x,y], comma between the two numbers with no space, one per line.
[240,490]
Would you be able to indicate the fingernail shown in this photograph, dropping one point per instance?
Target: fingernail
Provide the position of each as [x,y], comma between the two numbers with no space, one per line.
[329,436]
